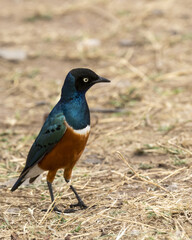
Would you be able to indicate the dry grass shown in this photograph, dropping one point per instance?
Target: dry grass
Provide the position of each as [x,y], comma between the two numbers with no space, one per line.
[135,174]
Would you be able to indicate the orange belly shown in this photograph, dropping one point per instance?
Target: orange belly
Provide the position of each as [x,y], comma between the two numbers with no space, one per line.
[65,154]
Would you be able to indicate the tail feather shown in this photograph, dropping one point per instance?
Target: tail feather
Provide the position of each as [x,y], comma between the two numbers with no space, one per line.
[20,180]
[31,180]
[28,172]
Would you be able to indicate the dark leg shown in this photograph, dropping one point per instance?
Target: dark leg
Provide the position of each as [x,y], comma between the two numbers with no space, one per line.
[52,197]
[80,203]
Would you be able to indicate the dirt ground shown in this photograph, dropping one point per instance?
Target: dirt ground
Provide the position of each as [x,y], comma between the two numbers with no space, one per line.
[136,171]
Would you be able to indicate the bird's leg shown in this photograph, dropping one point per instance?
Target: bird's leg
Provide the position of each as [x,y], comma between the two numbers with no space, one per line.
[67,176]
[80,203]
[55,209]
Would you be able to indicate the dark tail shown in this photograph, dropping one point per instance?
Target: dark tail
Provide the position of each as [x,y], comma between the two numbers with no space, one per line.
[19,181]
[17,184]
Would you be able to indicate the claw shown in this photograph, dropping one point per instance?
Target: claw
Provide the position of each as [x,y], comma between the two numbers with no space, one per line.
[69,210]
[55,209]
[80,204]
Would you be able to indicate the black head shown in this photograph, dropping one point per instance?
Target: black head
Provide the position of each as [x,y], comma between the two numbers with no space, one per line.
[85,78]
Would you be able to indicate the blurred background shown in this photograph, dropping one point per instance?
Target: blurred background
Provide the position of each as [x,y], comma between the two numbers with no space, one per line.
[144,47]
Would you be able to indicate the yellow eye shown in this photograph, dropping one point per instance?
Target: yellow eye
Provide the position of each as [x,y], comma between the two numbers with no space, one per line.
[85,79]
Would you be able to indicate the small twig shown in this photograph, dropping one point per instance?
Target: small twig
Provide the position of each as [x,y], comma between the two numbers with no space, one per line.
[172,174]
[121,233]
[139,176]
[7,222]
[50,209]
[181,148]
[129,221]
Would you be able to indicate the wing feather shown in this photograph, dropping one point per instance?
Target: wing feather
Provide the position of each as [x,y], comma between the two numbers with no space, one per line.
[50,134]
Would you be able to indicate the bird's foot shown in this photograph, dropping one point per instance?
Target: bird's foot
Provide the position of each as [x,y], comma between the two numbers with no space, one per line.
[55,209]
[70,210]
[80,204]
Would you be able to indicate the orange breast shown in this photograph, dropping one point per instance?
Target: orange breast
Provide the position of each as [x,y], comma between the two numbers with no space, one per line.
[65,154]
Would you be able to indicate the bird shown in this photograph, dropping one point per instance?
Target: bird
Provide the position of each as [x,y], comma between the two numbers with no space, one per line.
[64,134]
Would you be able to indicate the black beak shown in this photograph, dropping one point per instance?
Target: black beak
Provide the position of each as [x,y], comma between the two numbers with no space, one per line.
[101,79]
